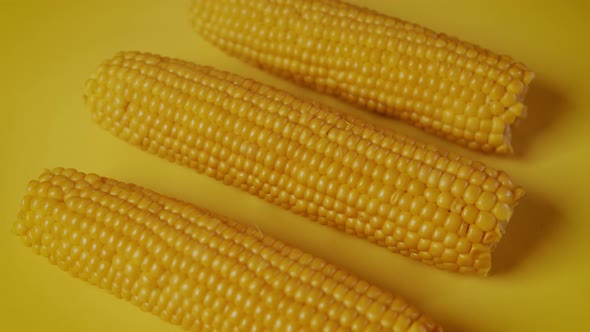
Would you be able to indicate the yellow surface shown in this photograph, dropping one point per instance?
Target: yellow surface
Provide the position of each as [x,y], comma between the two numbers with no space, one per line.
[540,278]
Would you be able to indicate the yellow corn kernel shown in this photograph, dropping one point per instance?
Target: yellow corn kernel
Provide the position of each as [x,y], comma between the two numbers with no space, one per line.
[381,63]
[193,268]
[303,156]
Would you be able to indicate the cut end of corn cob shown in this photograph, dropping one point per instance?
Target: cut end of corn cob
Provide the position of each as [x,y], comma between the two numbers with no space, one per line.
[193,268]
[433,206]
[454,89]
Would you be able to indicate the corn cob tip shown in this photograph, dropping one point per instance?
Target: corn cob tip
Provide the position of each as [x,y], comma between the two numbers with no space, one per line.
[506,148]
[529,76]
[519,193]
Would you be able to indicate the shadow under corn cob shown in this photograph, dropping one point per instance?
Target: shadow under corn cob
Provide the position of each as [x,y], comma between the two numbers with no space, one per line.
[433,206]
[193,268]
[454,89]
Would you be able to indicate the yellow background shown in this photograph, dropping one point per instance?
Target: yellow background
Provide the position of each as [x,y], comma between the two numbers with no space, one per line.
[541,269]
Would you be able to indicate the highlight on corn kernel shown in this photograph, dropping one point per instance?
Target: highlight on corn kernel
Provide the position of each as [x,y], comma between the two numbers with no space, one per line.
[193,268]
[436,207]
[454,89]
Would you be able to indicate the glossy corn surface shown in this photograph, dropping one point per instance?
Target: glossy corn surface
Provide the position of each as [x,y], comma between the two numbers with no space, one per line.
[433,206]
[452,88]
[193,268]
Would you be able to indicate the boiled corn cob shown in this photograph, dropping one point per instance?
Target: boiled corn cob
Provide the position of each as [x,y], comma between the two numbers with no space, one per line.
[436,207]
[448,87]
[193,268]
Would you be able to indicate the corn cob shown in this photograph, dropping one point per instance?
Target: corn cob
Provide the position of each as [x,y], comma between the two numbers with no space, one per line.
[193,268]
[438,83]
[433,206]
